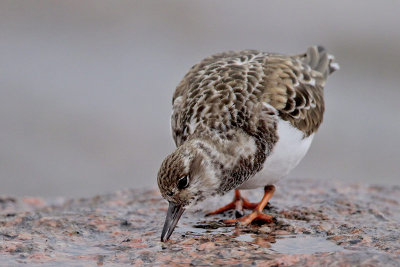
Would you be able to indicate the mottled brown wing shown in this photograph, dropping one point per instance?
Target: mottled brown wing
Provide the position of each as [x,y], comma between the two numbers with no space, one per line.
[294,86]
[197,70]
[197,95]
[227,89]
[296,91]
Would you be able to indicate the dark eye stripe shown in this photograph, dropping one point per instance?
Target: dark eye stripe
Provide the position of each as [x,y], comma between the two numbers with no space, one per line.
[183,182]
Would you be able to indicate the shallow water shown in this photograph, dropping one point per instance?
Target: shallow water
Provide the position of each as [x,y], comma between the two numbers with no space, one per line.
[302,244]
[283,244]
[190,226]
[245,238]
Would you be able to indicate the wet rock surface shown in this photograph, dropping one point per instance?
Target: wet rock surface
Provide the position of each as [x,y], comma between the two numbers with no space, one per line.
[316,223]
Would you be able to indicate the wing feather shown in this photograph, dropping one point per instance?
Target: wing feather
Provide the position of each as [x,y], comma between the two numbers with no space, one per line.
[225,90]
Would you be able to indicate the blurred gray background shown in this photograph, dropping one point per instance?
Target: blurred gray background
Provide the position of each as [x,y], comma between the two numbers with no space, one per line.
[86,86]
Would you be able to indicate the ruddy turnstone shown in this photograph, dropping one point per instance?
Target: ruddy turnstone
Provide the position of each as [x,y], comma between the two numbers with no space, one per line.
[241,120]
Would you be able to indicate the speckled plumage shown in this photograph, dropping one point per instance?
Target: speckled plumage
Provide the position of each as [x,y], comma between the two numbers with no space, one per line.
[227,87]
[226,111]
[241,120]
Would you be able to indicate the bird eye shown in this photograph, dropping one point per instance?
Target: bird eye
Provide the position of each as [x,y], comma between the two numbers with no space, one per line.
[183,182]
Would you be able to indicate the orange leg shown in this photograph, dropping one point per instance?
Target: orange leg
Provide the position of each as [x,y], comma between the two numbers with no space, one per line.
[257,213]
[238,204]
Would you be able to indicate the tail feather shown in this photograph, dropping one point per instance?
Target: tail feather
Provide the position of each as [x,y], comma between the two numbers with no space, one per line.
[319,60]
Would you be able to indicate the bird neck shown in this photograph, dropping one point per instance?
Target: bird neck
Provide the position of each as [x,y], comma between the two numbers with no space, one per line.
[234,156]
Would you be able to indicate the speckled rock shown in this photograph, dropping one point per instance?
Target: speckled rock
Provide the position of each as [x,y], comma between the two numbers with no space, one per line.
[316,223]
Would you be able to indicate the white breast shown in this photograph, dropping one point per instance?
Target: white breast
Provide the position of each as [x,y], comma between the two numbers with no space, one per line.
[286,154]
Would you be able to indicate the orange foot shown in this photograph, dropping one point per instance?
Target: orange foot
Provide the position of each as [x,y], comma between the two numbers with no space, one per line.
[257,213]
[238,204]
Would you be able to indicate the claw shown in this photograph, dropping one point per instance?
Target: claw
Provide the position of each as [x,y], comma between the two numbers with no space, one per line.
[248,219]
[238,204]
[257,214]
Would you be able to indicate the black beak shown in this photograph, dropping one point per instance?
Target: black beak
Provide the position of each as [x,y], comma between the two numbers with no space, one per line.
[174,213]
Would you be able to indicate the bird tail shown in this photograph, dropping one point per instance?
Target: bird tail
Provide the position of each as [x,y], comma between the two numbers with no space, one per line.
[319,60]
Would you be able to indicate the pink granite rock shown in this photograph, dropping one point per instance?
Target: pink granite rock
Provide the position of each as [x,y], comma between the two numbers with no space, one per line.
[316,223]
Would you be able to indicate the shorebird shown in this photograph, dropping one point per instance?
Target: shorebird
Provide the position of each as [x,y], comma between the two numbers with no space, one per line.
[241,120]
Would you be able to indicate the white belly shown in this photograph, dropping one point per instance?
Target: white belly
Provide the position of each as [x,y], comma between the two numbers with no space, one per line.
[286,154]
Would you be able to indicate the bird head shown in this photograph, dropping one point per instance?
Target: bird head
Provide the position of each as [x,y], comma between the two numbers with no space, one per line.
[185,177]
